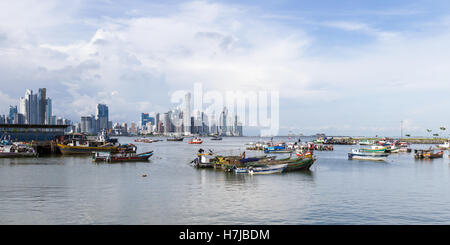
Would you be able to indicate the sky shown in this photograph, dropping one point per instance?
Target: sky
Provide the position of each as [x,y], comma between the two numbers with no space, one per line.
[341,67]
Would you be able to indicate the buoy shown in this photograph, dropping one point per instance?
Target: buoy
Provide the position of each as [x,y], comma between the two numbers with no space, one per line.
[144,175]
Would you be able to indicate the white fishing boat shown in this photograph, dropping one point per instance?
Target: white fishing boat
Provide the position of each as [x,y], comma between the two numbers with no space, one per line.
[444,146]
[272,169]
[17,150]
[358,154]
[240,170]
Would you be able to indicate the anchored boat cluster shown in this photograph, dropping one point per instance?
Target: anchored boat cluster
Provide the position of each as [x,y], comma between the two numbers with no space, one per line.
[379,150]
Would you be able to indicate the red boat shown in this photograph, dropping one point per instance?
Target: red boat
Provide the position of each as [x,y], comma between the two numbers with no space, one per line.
[195,141]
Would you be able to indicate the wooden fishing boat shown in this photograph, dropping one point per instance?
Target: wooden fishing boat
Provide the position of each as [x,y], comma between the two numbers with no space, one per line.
[175,139]
[393,149]
[204,160]
[146,140]
[277,149]
[123,157]
[85,149]
[270,169]
[229,163]
[428,154]
[301,154]
[359,154]
[195,141]
[300,164]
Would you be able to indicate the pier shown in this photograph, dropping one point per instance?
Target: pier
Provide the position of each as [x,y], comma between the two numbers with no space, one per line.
[43,138]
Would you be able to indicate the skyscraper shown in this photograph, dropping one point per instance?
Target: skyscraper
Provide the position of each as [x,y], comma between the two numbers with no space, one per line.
[48,111]
[187,114]
[167,123]
[41,105]
[102,117]
[12,112]
[157,123]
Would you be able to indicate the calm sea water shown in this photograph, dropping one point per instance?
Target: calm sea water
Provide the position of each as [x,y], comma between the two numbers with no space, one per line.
[74,190]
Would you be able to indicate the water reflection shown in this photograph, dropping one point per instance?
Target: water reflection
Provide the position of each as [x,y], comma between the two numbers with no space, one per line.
[74,190]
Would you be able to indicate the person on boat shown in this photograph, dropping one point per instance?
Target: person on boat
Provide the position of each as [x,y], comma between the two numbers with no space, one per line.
[243,155]
[201,151]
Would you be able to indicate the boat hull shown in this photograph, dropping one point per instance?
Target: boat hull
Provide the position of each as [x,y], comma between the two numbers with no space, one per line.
[175,139]
[274,169]
[84,150]
[372,157]
[301,164]
[17,154]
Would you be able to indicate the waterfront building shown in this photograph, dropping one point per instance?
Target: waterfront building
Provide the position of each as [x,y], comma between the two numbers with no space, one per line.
[27,133]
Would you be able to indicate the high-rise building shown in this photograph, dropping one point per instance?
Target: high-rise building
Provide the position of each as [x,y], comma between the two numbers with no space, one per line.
[223,122]
[88,124]
[134,129]
[12,112]
[146,118]
[48,111]
[41,105]
[167,123]
[187,114]
[102,117]
[157,123]
[19,118]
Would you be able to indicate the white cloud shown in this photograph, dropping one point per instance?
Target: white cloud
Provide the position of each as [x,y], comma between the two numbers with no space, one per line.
[132,61]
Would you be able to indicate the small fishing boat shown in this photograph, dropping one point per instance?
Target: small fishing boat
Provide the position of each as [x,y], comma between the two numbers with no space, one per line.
[216,138]
[241,170]
[445,146]
[375,149]
[17,150]
[195,140]
[302,154]
[146,140]
[277,149]
[367,142]
[300,164]
[270,169]
[393,149]
[428,154]
[204,160]
[83,146]
[359,154]
[175,139]
[122,157]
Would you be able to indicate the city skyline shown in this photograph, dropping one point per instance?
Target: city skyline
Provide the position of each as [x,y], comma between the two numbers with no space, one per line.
[399,49]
